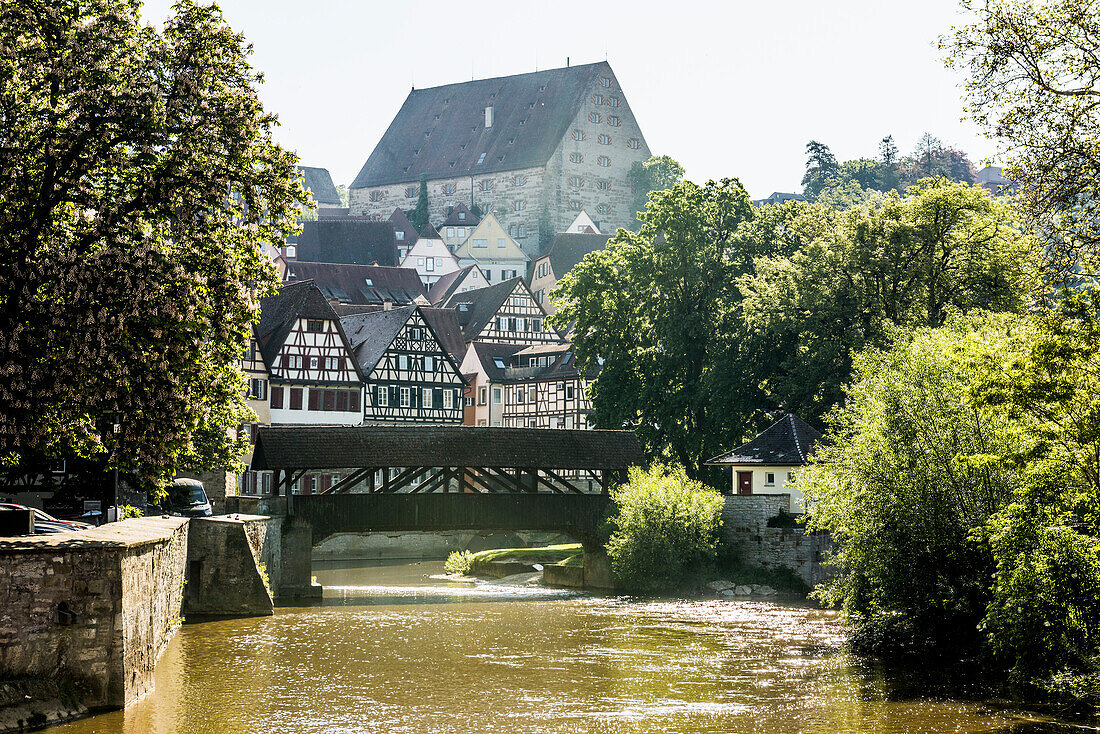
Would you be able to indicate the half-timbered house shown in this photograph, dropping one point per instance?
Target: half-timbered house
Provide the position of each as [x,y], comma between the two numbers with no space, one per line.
[411,376]
[505,313]
[314,377]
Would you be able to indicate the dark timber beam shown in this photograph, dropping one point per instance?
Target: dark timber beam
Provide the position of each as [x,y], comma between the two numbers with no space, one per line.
[350,480]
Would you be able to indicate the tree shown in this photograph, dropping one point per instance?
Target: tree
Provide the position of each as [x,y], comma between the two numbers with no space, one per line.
[888,158]
[895,488]
[896,262]
[932,159]
[821,168]
[138,182]
[652,315]
[419,215]
[656,174]
[1034,83]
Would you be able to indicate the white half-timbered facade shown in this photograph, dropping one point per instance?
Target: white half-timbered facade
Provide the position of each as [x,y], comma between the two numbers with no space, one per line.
[314,378]
[505,313]
[410,377]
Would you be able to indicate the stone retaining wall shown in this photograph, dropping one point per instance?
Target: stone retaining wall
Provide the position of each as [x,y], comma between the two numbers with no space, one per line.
[226,574]
[94,609]
[745,526]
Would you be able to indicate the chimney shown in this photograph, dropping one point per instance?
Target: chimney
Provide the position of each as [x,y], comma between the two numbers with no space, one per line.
[566,62]
[387,304]
[489,116]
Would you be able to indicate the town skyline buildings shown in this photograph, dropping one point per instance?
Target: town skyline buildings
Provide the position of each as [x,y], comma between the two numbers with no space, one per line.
[727,92]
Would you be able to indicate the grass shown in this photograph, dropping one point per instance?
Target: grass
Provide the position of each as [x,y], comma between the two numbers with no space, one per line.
[576,561]
[543,555]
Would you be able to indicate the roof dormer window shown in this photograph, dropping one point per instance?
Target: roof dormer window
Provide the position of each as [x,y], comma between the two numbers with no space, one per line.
[480,159]
[369,282]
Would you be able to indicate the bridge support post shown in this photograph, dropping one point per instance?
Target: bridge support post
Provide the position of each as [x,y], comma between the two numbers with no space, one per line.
[297,560]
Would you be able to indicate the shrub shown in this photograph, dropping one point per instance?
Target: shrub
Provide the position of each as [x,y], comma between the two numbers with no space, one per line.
[459,562]
[666,527]
[127,511]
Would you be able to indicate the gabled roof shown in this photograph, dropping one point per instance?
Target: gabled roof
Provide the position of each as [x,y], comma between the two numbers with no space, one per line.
[430,233]
[787,442]
[481,305]
[440,132]
[491,230]
[318,182]
[360,284]
[569,248]
[370,334]
[279,312]
[343,447]
[444,323]
[442,289]
[401,223]
[453,217]
[351,240]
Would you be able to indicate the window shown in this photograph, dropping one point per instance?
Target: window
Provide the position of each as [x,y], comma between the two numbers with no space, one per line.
[353,401]
[462,216]
[519,205]
[576,182]
[611,101]
[342,400]
[448,399]
[333,363]
[481,422]
[481,242]
[603,209]
[485,184]
[429,364]
[376,196]
[430,265]
[426,397]
[614,120]
[399,235]
[568,392]
[576,158]
[536,324]
[532,423]
[497,397]
[448,189]
[315,398]
[519,179]
[315,326]
[604,161]
[578,135]
[769,479]
[406,397]
[383,396]
[277,397]
[603,185]
[411,192]
[462,232]
[480,159]
[467,402]
[482,395]
[330,399]
[520,395]
[604,139]
[595,117]
[369,282]
[517,231]
[512,324]
[499,361]
[633,144]
[450,231]
[402,361]
[295,398]
[605,82]
[575,206]
[257,389]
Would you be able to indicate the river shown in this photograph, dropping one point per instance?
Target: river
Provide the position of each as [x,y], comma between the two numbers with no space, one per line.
[394,650]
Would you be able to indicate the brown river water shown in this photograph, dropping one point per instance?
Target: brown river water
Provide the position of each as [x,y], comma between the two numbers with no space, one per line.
[393,650]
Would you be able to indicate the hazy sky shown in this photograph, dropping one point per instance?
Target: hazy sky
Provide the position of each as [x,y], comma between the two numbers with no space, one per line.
[727,88]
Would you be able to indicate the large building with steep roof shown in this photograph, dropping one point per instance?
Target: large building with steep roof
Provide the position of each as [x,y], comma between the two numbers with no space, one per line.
[535,149]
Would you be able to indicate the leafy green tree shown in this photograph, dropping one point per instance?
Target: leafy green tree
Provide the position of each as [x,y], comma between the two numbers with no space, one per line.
[656,174]
[1034,83]
[821,168]
[419,215]
[653,314]
[138,181]
[1044,620]
[895,488]
[667,525]
[897,262]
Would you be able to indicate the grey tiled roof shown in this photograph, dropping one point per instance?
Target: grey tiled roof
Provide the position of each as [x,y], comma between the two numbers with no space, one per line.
[440,132]
[370,334]
[340,447]
[279,312]
[787,442]
[569,248]
[442,289]
[349,283]
[444,323]
[477,307]
[454,218]
[318,182]
[350,240]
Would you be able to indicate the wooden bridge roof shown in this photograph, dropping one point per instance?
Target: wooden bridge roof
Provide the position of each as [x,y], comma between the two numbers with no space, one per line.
[346,447]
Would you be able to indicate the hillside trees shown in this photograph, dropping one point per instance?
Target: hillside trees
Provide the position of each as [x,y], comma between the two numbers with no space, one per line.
[1034,83]
[653,316]
[138,180]
[863,272]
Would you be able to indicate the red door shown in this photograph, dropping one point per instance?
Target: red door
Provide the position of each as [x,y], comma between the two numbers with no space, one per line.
[744,482]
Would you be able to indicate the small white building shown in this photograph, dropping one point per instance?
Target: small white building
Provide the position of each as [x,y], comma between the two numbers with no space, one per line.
[430,257]
[769,463]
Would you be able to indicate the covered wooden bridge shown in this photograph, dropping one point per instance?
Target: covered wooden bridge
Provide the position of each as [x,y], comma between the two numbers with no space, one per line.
[448,477]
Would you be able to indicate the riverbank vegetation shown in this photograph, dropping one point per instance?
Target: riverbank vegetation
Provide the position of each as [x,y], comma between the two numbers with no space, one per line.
[467,562]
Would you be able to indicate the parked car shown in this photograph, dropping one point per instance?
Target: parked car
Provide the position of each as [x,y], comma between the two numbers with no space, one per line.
[187,497]
[43,518]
